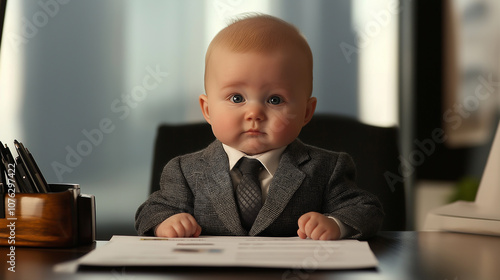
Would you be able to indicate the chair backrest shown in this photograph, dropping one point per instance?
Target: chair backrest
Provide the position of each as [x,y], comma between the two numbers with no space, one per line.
[374,150]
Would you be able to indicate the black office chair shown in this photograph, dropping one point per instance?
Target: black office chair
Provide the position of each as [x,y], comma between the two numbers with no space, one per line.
[374,150]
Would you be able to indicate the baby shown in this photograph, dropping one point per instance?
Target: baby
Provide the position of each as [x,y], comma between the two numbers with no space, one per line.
[258,84]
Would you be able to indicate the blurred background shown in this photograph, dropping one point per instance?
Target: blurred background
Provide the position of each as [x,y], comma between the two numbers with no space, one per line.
[85,84]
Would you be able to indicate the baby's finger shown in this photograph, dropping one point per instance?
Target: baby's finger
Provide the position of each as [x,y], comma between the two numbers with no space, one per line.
[303,220]
[317,233]
[310,227]
[191,226]
[179,229]
[198,231]
[301,234]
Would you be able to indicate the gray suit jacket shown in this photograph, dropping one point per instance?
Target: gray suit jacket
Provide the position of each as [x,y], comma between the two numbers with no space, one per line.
[307,179]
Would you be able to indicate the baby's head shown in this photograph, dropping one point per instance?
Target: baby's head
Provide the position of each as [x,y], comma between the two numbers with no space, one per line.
[258,83]
[263,34]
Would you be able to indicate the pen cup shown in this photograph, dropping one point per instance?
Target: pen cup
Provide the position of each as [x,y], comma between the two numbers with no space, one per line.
[48,219]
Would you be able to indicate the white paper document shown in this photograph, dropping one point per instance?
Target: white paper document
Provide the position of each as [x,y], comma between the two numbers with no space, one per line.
[291,252]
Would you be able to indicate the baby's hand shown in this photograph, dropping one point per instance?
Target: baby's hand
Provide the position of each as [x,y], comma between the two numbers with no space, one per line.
[318,227]
[179,225]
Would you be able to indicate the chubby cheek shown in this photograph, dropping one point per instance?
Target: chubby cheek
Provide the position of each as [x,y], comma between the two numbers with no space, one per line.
[224,128]
[285,128]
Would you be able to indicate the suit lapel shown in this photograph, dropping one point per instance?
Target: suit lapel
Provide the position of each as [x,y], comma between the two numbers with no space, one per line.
[219,188]
[287,179]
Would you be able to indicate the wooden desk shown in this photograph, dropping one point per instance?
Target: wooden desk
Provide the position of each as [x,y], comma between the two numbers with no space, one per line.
[402,256]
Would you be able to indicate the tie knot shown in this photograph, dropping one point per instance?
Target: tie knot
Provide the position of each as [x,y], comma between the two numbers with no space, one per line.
[249,166]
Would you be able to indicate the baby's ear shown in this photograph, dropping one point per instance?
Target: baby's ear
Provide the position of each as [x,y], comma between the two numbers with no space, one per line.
[204,107]
[311,107]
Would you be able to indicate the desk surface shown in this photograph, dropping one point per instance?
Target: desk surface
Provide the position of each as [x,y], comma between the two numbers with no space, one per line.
[401,255]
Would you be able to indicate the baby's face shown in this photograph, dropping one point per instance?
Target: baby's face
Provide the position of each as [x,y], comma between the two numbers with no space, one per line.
[256,102]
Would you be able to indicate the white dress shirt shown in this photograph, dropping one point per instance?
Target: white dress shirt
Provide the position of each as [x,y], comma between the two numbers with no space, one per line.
[270,160]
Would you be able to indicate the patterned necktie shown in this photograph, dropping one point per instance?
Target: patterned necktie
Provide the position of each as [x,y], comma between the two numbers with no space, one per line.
[248,192]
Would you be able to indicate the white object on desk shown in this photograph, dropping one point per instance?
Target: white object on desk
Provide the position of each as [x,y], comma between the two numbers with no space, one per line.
[273,252]
[481,216]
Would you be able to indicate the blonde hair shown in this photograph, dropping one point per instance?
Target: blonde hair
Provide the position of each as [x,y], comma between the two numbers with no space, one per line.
[264,34]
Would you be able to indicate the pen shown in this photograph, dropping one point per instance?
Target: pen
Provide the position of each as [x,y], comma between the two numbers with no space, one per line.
[31,168]
[9,168]
[3,183]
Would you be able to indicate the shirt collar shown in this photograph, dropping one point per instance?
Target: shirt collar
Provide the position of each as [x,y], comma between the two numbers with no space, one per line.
[270,159]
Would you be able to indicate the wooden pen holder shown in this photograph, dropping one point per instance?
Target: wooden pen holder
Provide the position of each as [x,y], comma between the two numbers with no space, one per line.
[60,218]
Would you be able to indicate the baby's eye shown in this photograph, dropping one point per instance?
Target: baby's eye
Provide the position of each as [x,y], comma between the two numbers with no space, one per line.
[237,98]
[275,100]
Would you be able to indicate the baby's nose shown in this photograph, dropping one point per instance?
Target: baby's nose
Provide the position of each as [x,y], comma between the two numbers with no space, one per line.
[255,112]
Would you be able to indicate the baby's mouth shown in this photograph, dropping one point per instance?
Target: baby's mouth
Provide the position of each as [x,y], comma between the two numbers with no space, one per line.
[254,132]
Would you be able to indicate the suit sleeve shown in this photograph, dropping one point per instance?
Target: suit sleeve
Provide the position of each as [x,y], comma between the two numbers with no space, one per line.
[174,197]
[360,211]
